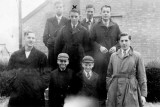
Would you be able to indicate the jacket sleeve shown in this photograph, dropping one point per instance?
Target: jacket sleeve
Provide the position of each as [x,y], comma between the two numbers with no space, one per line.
[93,37]
[46,33]
[109,72]
[52,88]
[117,38]
[11,63]
[86,41]
[141,76]
[59,44]
[43,62]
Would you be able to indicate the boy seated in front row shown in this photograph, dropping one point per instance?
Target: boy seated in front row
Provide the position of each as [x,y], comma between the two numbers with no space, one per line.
[89,80]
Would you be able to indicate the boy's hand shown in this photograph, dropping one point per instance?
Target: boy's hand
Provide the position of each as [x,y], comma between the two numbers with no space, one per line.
[143,99]
[103,49]
[113,49]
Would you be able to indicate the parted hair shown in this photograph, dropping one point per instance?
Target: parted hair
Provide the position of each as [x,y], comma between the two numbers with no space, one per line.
[105,6]
[124,34]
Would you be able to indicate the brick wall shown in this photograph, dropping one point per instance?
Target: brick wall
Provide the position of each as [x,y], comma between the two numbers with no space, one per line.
[140,18]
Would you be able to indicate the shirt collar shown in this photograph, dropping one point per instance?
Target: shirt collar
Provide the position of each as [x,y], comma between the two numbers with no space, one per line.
[88,20]
[75,25]
[90,72]
[106,23]
[126,50]
[59,17]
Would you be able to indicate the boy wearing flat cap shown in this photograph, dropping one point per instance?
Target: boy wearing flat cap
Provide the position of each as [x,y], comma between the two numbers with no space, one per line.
[89,79]
[61,79]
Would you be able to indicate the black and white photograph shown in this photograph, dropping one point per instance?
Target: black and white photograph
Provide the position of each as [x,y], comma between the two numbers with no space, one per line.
[79,53]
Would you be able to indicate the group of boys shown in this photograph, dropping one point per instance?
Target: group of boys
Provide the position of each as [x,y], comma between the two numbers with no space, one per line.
[79,55]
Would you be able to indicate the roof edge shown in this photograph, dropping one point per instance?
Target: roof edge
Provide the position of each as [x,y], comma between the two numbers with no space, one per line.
[36,10]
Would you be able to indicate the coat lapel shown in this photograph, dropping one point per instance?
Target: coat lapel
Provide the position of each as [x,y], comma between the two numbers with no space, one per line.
[61,21]
[22,53]
[77,29]
[54,21]
[32,55]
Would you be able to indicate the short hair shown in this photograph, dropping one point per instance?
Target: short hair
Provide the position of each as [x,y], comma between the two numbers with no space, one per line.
[124,34]
[58,2]
[105,6]
[75,11]
[90,6]
[27,32]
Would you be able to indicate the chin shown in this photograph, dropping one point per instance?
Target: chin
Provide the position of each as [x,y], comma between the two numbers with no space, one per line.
[30,45]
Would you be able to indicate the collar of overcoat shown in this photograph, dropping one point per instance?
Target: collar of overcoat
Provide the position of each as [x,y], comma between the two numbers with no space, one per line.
[111,23]
[76,30]
[119,53]
[31,56]
[55,20]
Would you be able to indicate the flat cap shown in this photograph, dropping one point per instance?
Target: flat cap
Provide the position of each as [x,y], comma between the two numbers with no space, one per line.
[63,56]
[88,59]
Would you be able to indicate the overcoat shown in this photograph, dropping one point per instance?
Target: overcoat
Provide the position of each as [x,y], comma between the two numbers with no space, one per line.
[27,88]
[60,86]
[88,26]
[49,37]
[74,43]
[36,59]
[107,37]
[126,80]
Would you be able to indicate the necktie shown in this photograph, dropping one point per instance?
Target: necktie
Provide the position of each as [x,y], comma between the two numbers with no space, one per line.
[124,53]
[88,75]
[89,24]
[58,20]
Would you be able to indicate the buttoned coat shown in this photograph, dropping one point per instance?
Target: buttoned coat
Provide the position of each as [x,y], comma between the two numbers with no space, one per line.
[126,79]
[49,37]
[107,37]
[36,59]
[74,43]
[60,86]
[88,87]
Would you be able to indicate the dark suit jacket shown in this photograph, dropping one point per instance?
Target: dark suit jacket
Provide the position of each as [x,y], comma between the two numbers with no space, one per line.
[60,86]
[36,59]
[86,24]
[89,87]
[51,28]
[72,42]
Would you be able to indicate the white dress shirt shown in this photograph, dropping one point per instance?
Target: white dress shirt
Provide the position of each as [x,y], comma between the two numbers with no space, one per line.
[59,18]
[27,53]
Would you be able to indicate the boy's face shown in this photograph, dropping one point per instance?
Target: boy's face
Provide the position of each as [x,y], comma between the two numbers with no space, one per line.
[124,42]
[106,13]
[59,9]
[90,12]
[74,16]
[63,63]
[30,39]
[87,66]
